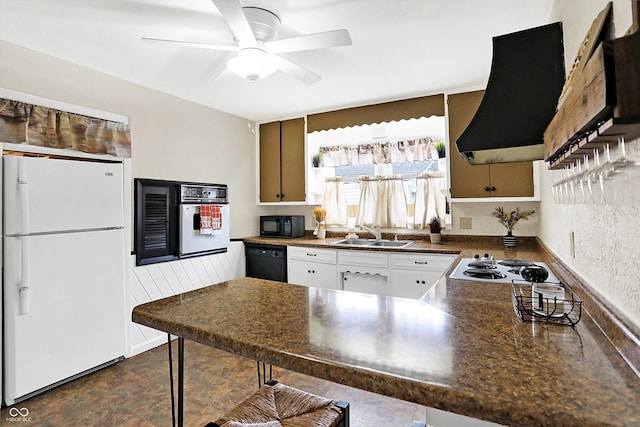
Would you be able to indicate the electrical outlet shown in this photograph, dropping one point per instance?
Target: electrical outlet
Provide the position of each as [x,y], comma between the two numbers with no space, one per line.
[465,223]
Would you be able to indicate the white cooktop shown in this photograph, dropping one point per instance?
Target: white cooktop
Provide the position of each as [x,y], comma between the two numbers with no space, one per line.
[508,271]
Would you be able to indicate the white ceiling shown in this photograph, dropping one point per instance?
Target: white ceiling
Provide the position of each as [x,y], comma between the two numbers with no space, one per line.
[401,48]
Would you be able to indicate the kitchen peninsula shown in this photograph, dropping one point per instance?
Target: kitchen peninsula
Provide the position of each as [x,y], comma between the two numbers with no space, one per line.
[460,349]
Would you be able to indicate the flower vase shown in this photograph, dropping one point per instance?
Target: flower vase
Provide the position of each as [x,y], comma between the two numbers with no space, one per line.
[435,237]
[322,230]
[510,241]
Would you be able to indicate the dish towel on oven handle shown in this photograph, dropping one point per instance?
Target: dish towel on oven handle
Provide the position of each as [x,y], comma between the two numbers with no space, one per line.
[210,219]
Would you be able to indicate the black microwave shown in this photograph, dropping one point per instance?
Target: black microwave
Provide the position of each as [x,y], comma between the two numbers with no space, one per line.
[282,226]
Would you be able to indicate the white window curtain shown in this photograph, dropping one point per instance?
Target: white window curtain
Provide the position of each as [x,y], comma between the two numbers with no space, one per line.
[430,201]
[334,201]
[382,202]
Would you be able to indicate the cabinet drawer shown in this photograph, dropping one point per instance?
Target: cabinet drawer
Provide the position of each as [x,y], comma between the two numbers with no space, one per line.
[421,262]
[364,258]
[326,256]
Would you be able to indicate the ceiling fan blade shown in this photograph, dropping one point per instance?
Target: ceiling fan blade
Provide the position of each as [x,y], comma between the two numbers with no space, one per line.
[322,40]
[231,11]
[297,71]
[198,45]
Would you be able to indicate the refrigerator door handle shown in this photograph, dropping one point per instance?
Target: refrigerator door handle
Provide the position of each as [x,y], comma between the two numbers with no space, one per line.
[23,188]
[23,286]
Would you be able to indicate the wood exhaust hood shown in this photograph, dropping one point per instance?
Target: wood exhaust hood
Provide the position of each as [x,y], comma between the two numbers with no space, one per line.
[526,79]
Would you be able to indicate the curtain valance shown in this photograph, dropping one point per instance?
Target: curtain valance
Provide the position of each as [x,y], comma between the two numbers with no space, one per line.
[47,127]
[409,151]
[405,109]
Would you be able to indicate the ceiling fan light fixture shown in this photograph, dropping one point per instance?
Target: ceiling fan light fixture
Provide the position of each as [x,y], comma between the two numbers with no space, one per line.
[252,63]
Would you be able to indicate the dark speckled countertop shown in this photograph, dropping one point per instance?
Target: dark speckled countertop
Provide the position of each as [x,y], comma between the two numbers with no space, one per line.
[460,348]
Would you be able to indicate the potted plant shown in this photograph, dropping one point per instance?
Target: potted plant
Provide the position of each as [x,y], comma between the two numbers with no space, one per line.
[509,220]
[435,227]
[316,160]
[440,148]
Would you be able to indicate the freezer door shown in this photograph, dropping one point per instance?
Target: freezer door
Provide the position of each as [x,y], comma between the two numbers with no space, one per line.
[76,316]
[47,195]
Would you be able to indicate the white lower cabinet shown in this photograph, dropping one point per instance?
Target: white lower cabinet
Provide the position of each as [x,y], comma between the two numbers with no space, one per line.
[405,275]
[409,284]
[312,267]
[412,275]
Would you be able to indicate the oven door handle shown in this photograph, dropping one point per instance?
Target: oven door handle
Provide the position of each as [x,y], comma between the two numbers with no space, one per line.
[196,221]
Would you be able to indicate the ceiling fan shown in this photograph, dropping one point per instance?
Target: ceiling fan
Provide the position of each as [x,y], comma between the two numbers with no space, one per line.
[255,32]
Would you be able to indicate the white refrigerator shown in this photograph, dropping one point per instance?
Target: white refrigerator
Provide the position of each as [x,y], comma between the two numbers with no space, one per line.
[64,308]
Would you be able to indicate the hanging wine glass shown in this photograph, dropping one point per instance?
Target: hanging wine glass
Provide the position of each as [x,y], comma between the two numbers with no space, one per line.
[595,189]
[558,188]
[582,183]
[615,182]
[573,182]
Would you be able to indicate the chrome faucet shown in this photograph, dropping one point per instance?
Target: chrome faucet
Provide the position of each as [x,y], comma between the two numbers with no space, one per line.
[375,231]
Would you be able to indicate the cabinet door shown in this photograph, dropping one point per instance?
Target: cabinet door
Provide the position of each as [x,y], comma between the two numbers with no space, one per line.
[299,272]
[406,284]
[477,181]
[313,274]
[326,276]
[292,160]
[511,179]
[466,180]
[270,162]
[428,280]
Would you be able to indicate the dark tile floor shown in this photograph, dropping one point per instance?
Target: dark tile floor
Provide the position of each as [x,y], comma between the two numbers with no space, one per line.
[135,392]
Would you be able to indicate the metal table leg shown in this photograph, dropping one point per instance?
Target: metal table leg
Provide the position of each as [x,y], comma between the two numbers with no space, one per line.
[180,382]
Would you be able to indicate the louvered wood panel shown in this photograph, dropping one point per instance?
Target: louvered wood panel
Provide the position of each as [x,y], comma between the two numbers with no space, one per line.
[156,221]
[155,281]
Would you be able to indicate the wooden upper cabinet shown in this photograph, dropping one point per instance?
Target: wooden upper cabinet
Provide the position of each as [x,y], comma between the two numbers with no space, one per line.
[270,162]
[480,181]
[292,160]
[282,176]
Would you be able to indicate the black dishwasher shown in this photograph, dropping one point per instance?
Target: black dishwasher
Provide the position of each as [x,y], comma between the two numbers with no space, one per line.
[266,261]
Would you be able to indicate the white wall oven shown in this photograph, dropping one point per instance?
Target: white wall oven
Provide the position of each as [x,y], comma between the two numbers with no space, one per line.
[179,219]
[204,219]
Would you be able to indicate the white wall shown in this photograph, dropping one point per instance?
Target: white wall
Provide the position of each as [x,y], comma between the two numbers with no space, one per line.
[485,224]
[171,138]
[606,238]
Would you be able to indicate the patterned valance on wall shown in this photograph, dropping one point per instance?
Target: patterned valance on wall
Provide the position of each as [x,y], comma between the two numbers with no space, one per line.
[30,124]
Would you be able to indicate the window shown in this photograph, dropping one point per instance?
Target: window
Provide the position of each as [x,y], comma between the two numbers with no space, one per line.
[378,150]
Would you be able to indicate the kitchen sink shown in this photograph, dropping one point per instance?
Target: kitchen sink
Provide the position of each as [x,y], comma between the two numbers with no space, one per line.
[392,243]
[374,243]
[354,242]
